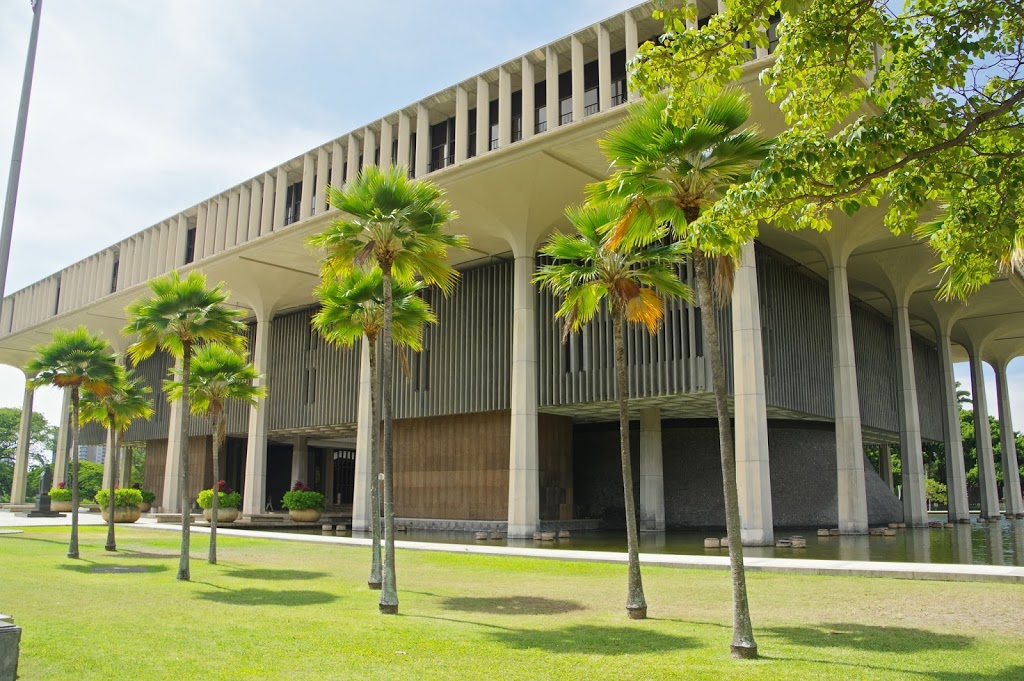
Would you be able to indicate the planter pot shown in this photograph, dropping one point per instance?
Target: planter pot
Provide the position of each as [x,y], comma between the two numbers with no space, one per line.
[224,515]
[122,514]
[306,515]
[145,506]
[62,506]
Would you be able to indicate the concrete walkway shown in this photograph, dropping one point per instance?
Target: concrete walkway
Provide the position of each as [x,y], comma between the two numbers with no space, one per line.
[931,571]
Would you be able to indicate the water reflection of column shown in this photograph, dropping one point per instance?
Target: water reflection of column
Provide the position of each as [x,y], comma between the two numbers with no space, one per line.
[854,547]
[994,539]
[919,545]
[1017,541]
[963,551]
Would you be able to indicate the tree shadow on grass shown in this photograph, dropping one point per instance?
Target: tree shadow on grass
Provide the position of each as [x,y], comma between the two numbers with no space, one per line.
[268,597]
[129,553]
[589,639]
[89,567]
[870,638]
[511,605]
[269,574]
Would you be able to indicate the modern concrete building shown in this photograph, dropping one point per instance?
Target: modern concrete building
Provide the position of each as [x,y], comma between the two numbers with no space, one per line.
[833,341]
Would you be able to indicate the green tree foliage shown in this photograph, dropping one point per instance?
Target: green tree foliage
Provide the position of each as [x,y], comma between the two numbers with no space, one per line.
[915,107]
[42,443]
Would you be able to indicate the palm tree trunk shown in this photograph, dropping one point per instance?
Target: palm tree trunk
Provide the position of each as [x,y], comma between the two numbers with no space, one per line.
[218,424]
[115,437]
[636,605]
[75,500]
[389,586]
[375,568]
[743,644]
[186,506]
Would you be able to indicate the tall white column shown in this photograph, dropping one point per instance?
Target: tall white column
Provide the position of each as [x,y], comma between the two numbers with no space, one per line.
[255,207]
[753,474]
[337,166]
[254,496]
[551,87]
[300,459]
[523,476]
[280,198]
[361,507]
[422,140]
[529,112]
[956,477]
[209,243]
[244,211]
[604,67]
[1008,445]
[170,500]
[352,149]
[632,43]
[387,138]
[222,224]
[483,116]
[308,186]
[199,248]
[851,490]
[652,477]
[461,124]
[21,453]
[577,78]
[504,107]
[915,506]
[231,228]
[403,139]
[369,147]
[109,473]
[267,210]
[60,453]
[983,440]
[322,171]
[177,258]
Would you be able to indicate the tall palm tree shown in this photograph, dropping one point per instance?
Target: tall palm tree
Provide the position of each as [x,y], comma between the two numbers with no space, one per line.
[73,360]
[669,166]
[398,225]
[115,410]
[634,284]
[181,314]
[218,374]
[351,308]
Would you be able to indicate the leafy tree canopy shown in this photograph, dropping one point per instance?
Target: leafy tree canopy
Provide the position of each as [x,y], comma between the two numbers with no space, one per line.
[919,105]
[41,445]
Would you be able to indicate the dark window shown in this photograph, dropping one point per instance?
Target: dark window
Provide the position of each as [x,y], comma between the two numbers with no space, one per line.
[442,144]
[56,301]
[190,245]
[376,156]
[517,116]
[773,32]
[540,110]
[113,276]
[344,172]
[471,145]
[292,202]
[618,77]
[565,98]
[591,82]
[394,152]
[312,198]
[493,118]
[412,154]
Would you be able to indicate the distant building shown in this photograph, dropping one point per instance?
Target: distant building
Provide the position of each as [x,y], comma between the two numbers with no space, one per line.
[92,453]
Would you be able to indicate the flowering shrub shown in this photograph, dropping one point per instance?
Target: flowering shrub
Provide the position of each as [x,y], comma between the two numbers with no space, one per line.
[301,498]
[226,497]
[60,493]
[122,497]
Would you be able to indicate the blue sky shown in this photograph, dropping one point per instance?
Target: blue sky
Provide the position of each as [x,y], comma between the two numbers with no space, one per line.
[141,109]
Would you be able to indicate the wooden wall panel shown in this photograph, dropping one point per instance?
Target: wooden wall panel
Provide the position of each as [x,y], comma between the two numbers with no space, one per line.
[555,459]
[153,473]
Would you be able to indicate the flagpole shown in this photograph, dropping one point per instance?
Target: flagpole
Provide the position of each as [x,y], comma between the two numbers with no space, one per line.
[19,144]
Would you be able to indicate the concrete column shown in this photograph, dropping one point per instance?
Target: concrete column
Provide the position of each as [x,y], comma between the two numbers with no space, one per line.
[403,140]
[109,473]
[523,476]
[422,140]
[199,249]
[551,88]
[577,79]
[125,479]
[483,116]
[983,440]
[252,225]
[267,210]
[308,186]
[300,459]
[337,166]
[632,43]
[177,258]
[231,228]
[915,506]
[60,454]
[753,475]
[222,224]
[21,453]
[361,507]
[604,67]
[461,124]
[652,478]
[209,243]
[387,138]
[956,477]
[504,107]
[885,466]
[352,149]
[852,494]
[254,496]
[369,147]
[170,499]
[1011,471]
[322,171]
[280,198]
[107,265]
[122,269]
[244,211]
[139,267]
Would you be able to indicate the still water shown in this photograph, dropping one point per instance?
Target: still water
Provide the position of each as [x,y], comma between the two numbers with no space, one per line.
[978,543]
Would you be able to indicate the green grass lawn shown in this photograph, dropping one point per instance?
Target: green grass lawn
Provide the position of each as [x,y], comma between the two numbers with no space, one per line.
[290,610]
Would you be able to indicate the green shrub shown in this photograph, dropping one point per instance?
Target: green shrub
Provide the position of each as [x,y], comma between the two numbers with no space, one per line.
[300,500]
[122,497]
[147,496]
[60,494]
[224,499]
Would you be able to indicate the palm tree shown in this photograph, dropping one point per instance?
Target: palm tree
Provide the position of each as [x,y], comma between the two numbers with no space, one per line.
[218,374]
[115,410]
[634,283]
[181,314]
[73,360]
[669,167]
[352,308]
[396,224]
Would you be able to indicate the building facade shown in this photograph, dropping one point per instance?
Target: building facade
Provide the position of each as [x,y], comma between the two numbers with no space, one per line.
[833,341]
